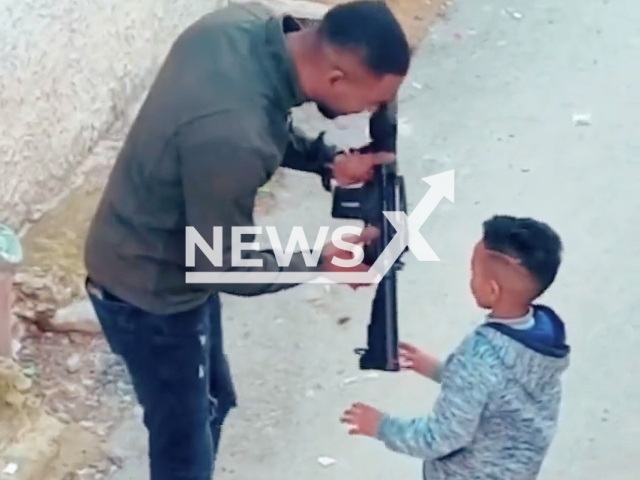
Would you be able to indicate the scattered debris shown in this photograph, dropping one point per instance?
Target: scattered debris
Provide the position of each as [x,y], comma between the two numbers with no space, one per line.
[319,295]
[39,294]
[582,119]
[366,376]
[31,371]
[513,13]
[10,469]
[16,345]
[416,85]
[314,293]
[343,320]
[74,363]
[77,317]
[525,169]
[326,461]
[77,380]
[313,389]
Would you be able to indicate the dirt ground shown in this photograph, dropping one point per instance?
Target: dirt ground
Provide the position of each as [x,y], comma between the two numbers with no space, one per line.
[74,375]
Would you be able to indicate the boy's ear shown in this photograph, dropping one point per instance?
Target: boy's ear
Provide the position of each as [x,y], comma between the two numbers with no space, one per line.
[494,289]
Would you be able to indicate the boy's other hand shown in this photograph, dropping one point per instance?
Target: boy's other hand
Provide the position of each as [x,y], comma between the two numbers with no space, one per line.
[412,358]
[364,420]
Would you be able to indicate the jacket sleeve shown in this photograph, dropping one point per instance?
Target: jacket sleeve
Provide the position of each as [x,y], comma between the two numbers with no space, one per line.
[306,154]
[224,160]
[468,379]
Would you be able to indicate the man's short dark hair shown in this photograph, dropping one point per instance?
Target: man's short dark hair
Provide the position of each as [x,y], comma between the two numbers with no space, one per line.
[534,244]
[369,28]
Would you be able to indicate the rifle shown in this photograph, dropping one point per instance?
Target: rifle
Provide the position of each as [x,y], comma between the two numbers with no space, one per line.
[385,193]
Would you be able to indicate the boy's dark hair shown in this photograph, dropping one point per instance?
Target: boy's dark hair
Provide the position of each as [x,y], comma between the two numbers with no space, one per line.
[534,244]
[369,28]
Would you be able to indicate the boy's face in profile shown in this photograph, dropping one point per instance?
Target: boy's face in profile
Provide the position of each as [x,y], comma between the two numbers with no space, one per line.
[498,281]
[484,289]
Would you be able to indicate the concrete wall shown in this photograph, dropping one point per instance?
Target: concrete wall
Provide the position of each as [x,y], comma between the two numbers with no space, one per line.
[70,70]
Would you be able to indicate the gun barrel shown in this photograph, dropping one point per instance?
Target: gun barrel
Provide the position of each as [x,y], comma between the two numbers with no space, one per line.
[385,193]
[382,333]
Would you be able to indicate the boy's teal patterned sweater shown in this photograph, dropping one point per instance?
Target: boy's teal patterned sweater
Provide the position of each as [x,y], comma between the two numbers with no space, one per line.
[498,407]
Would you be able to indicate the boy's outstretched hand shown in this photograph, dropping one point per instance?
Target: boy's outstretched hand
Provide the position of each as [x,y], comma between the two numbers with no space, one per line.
[412,358]
[364,420]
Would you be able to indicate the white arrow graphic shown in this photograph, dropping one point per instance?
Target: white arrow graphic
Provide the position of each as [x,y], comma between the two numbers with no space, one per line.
[408,227]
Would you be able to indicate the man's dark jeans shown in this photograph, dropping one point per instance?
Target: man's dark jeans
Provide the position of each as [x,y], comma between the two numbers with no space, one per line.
[181,378]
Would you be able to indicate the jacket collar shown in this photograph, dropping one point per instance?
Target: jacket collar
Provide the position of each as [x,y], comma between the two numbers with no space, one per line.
[279,65]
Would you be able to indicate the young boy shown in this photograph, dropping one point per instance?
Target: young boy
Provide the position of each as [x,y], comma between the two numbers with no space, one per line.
[500,394]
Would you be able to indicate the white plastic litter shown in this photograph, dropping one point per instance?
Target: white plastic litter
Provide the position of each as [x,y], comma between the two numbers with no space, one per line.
[582,119]
[366,376]
[326,461]
[10,469]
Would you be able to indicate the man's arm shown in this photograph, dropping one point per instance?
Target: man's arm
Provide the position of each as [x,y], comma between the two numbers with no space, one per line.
[225,158]
[467,381]
[306,154]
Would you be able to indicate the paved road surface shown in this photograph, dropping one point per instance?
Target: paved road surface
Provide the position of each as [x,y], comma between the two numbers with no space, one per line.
[498,93]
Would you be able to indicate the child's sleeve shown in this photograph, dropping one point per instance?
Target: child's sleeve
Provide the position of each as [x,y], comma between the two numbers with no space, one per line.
[467,381]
